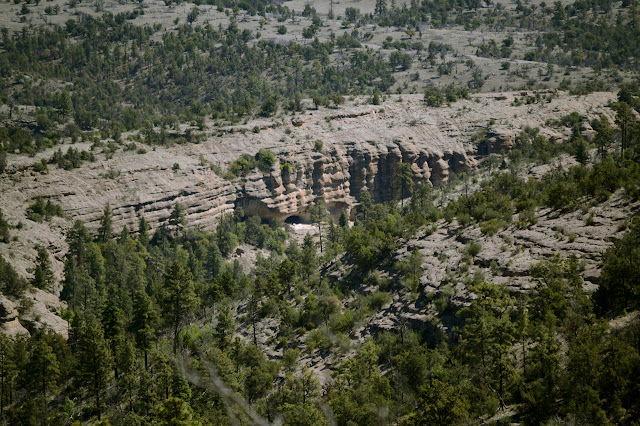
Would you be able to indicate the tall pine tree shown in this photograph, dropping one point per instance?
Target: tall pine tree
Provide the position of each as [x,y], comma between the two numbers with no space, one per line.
[178,298]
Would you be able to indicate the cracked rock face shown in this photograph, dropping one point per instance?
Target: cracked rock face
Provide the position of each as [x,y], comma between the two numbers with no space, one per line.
[9,323]
[362,146]
[338,177]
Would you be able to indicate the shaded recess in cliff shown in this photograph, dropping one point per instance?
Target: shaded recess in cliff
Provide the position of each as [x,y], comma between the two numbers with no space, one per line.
[339,176]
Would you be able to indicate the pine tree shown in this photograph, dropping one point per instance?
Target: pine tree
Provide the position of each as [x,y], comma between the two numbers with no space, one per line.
[64,103]
[94,360]
[124,235]
[624,120]
[7,369]
[42,274]
[4,229]
[105,231]
[83,271]
[113,326]
[177,219]
[143,231]
[178,298]
[175,411]
[309,257]
[77,239]
[318,215]
[253,312]
[489,335]
[603,137]
[214,262]
[344,220]
[366,204]
[225,327]
[144,323]
[126,364]
[43,367]
[403,181]
[581,151]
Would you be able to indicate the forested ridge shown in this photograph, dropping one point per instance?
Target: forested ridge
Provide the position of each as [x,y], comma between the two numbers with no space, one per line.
[101,72]
[169,326]
[155,319]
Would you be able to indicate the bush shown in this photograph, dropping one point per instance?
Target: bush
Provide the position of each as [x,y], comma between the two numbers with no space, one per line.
[270,106]
[40,210]
[527,218]
[41,167]
[10,282]
[491,227]
[265,159]
[433,97]
[474,249]
[3,161]
[4,229]
[241,167]
[376,300]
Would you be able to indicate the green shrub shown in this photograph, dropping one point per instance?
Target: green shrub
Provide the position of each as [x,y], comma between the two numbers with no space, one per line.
[241,166]
[11,283]
[41,167]
[39,210]
[265,159]
[4,229]
[491,227]
[376,300]
[473,249]
[433,97]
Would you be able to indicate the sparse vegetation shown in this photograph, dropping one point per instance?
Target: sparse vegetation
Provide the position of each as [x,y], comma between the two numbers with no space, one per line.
[187,326]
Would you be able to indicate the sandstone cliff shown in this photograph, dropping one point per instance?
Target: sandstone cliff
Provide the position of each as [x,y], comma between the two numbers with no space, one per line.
[362,145]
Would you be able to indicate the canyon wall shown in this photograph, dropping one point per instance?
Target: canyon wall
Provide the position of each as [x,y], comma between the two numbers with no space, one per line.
[362,146]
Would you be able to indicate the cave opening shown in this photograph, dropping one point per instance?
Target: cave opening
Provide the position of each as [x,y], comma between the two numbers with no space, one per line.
[291,220]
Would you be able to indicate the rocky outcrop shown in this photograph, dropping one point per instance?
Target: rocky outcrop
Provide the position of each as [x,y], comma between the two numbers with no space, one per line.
[498,140]
[362,146]
[339,176]
[505,258]
[9,323]
[45,310]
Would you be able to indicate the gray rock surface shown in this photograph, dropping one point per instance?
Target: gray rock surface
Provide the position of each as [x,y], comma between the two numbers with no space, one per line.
[362,146]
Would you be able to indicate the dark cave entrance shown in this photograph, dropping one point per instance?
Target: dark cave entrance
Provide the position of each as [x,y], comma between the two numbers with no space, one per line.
[293,220]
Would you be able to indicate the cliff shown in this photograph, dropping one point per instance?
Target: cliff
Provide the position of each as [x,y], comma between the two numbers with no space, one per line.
[362,145]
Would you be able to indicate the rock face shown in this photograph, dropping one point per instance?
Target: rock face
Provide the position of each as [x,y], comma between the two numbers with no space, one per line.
[45,312]
[41,310]
[505,258]
[9,323]
[362,146]
[338,177]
